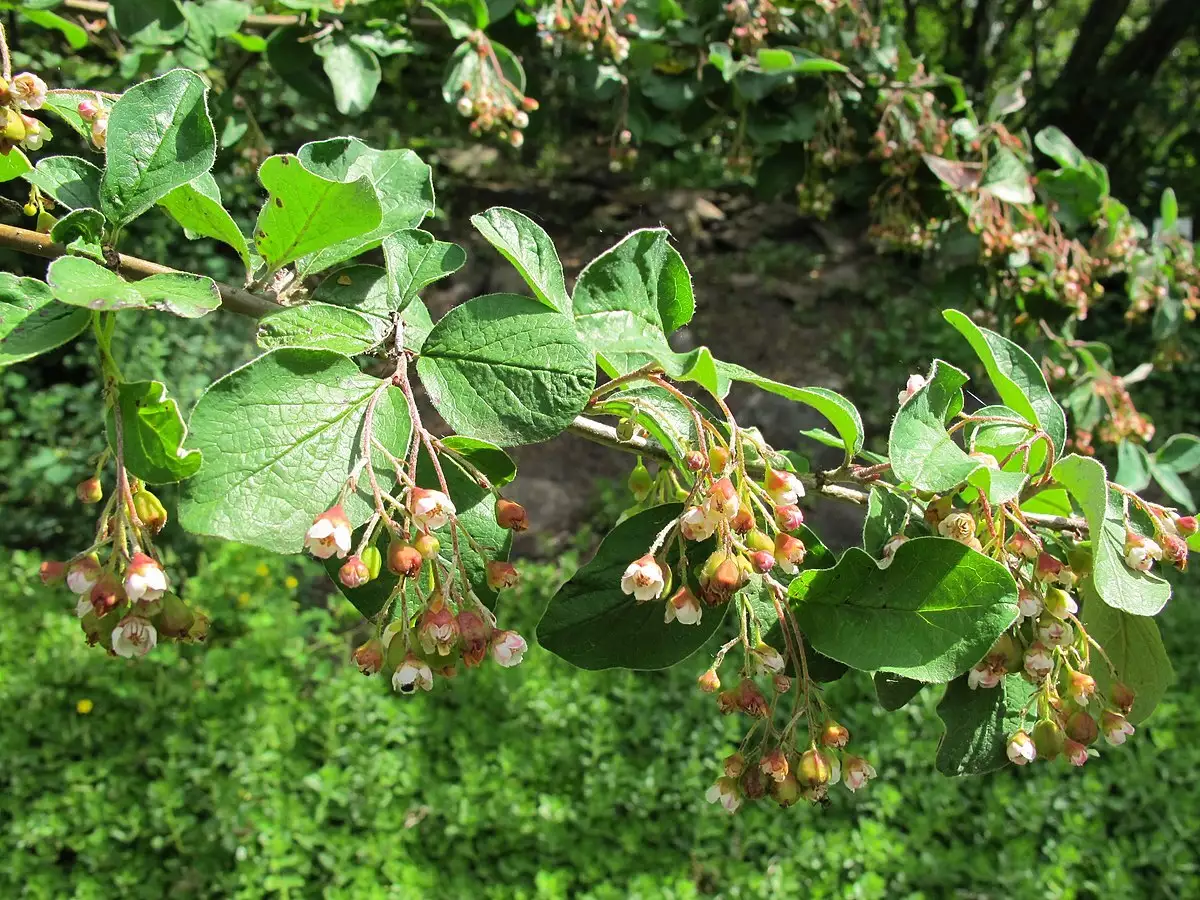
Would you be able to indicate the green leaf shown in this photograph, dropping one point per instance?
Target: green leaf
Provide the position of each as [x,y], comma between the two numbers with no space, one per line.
[895,691]
[526,245]
[14,164]
[1121,587]
[663,415]
[149,22]
[353,72]
[489,459]
[364,289]
[402,183]
[978,725]
[1173,486]
[1060,148]
[887,515]
[280,436]
[415,260]
[1017,378]
[1007,179]
[153,433]
[1180,454]
[794,61]
[1134,647]
[296,62]
[81,282]
[931,615]
[197,207]
[593,625]
[64,103]
[31,322]
[924,454]
[81,232]
[461,17]
[159,137]
[306,213]
[319,326]
[1168,209]
[1133,466]
[506,369]
[71,181]
[75,34]
[840,412]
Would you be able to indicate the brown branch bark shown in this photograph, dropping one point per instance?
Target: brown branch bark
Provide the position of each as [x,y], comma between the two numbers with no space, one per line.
[266,22]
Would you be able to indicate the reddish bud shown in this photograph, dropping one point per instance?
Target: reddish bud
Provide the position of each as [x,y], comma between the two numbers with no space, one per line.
[789,518]
[762,561]
[727,702]
[751,700]
[694,460]
[1022,545]
[781,683]
[1048,568]
[709,682]
[1187,525]
[501,575]
[743,521]
[1122,697]
[89,490]
[1082,728]
[511,515]
[476,635]
[354,572]
[369,657]
[835,734]
[789,552]
[52,571]
[1175,551]
[735,765]
[404,559]
[774,764]
[106,595]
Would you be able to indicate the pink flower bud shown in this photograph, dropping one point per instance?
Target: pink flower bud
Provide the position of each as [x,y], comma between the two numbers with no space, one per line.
[476,637]
[914,384]
[88,109]
[1175,551]
[1122,697]
[329,534]
[89,491]
[1187,525]
[508,648]
[789,553]
[52,572]
[694,461]
[743,521]
[1082,688]
[784,487]
[106,595]
[144,579]
[369,657]
[762,561]
[1048,569]
[1116,727]
[1029,604]
[511,515]
[698,523]
[501,575]
[438,629]
[774,764]
[1141,553]
[83,573]
[1023,546]
[1075,752]
[1039,662]
[789,518]
[354,573]
[709,682]
[1021,750]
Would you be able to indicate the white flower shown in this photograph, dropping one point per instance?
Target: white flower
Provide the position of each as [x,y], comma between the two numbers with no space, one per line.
[1029,604]
[430,509]
[145,579]
[133,636]
[82,575]
[1056,634]
[725,791]
[1038,661]
[1020,749]
[329,534]
[915,383]
[983,675]
[83,606]
[784,487]
[858,772]
[698,523]
[644,579]
[1116,727]
[412,674]
[508,648]
[29,91]
[723,499]
[684,608]
[1141,553]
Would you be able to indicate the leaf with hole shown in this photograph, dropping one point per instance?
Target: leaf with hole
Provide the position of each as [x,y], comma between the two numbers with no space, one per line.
[81,282]
[152,433]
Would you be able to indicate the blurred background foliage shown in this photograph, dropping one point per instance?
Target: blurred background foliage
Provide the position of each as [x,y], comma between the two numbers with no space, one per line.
[263,765]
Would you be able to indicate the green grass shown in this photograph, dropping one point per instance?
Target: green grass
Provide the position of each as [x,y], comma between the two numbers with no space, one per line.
[263,765]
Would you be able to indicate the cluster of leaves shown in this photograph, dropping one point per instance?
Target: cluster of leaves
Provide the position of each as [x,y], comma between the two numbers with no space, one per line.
[319,443]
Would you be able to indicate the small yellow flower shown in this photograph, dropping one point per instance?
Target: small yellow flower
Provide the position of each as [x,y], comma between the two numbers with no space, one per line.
[291,583]
[262,570]
[84,706]
[243,599]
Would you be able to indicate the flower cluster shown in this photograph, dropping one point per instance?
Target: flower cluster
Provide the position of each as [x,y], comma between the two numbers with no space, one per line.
[493,103]
[26,93]
[95,114]
[432,619]
[123,595]
[590,27]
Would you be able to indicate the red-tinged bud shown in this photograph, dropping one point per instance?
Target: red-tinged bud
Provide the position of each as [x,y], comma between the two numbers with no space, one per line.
[369,657]
[501,575]
[89,490]
[751,700]
[427,545]
[511,515]
[781,683]
[529,104]
[1048,738]
[1023,546]
[1187,525]
[1082,687]
[754,783]
[354,572]
[727,578]
[774,764]
[728,702]
[476,635]
[373,560]
[743,521]
[1175,551]
[404,559]
[1048,568]
[1082,728]
[1122,697]
[735,765]
[789,518]
[709,682]
[834,734]
[88,109]
[438,628]
[1076,753]
[723,498]
[756,540]
[150,511]
[174,619]
[787,791]
[784,487]
[52,572]
[762,561]
[789,552]
[694,460]
[106,595]
[813,769]
[718,459]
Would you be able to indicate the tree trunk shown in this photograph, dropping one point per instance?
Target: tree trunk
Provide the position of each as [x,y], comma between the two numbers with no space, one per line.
[1095,34]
